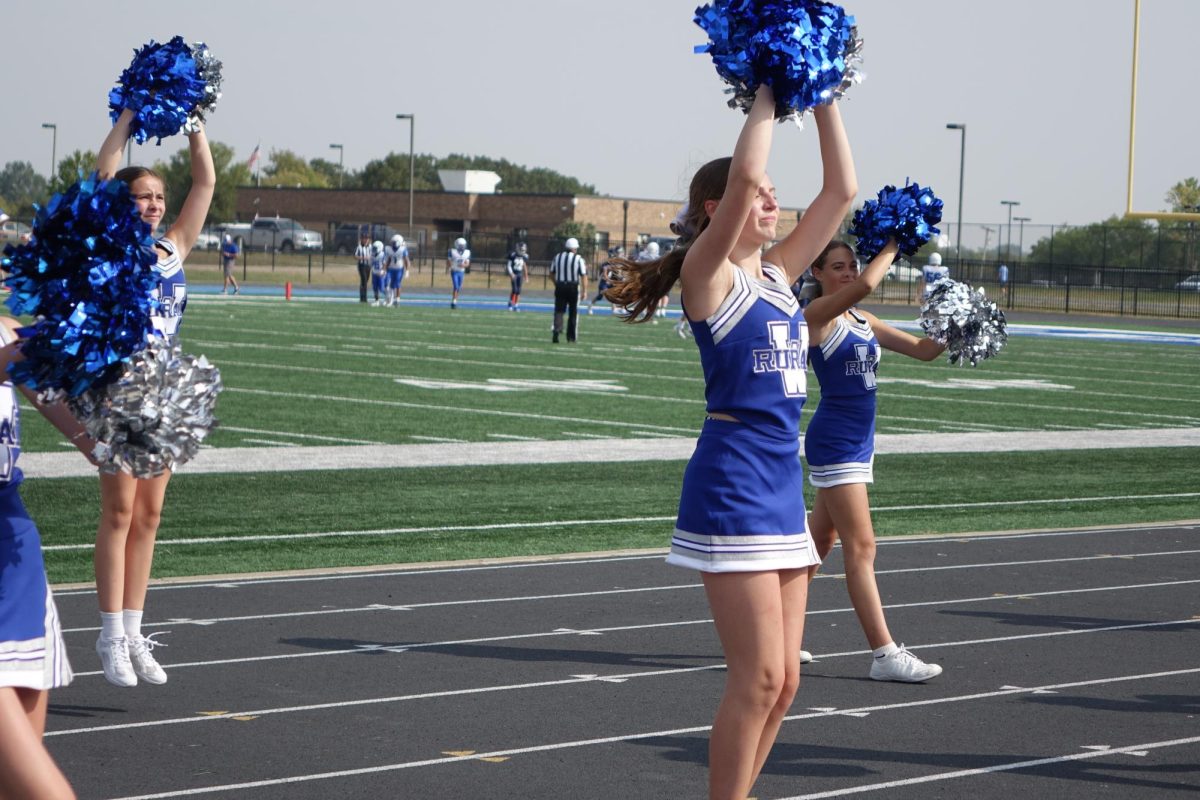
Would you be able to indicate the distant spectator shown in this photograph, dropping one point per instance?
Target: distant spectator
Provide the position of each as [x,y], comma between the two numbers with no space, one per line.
[458,264]
[363,255]
[229,254]
[1002,274]
[396,257]
[518,268]
[570,279]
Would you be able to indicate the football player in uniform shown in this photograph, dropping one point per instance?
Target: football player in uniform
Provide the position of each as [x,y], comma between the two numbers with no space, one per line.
[396,257]
[378,273]
[933,273]
[605,276]
[458,263]
[518,268]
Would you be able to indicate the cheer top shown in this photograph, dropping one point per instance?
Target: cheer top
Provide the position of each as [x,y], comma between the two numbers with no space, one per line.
[847,361]
[753,351]
[171,293]
[10,431]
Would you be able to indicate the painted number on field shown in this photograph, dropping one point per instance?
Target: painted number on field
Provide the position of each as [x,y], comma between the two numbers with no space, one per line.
[516,385]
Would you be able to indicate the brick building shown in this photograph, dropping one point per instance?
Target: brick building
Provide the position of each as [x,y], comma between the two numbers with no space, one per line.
[451,214]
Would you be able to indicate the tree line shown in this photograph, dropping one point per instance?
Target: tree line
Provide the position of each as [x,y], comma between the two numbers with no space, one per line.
[21,186]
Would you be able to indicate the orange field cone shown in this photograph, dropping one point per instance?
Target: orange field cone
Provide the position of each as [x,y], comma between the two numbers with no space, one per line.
[287,291]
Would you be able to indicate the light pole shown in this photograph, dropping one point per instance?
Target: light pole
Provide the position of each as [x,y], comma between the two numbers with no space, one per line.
[1010,204]
[412,126]
[53,148]
[1021,245]
[341,168]
[961,127]
[624,226]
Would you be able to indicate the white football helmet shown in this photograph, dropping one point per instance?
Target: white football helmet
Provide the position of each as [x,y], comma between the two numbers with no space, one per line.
[935,259]
[460,244]
[397,241]
[652,250]
[377,246]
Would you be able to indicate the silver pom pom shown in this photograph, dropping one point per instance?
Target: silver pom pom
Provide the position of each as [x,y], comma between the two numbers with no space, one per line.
[154,417]
[970,326]
[209,69]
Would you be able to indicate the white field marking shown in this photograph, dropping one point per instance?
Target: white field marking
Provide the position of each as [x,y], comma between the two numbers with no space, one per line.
[582,435]
[407,355]
[436,439]
[313,436]
[584,385]
[651,626]
[889,428]
[273,537]
[1025,405]
[1134,749]
[961,423]
[1053,427]
[514,437]
[418,571]
[374,608]
[270,442]
[607,740]
[985,384]
[460,409]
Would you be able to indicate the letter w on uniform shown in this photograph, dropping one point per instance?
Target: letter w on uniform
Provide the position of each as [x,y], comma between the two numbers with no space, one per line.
[786,356]
[864,365]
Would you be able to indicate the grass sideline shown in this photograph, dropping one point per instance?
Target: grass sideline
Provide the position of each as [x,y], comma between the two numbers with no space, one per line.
[339,373]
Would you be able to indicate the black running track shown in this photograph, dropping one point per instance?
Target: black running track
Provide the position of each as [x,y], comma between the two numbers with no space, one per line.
[1072,670]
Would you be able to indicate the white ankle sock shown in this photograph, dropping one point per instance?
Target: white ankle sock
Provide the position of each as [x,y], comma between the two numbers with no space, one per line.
[886,650]
[133,622]
[112,625]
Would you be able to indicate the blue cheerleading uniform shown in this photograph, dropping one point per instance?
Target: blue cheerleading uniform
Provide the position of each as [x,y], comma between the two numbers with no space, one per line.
[32,652]
[741,508]
[839,444]
[171,292]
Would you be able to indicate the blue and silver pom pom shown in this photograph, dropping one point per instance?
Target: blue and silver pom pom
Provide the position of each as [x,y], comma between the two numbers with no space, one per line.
[155,415]
[169,87]
[87,277]
[971,327]
[807,51]
[909,215]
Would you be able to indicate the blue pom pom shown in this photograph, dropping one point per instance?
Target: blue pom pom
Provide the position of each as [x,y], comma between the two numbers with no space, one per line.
[87,276]
[807,51]
[908,215]
[169,87]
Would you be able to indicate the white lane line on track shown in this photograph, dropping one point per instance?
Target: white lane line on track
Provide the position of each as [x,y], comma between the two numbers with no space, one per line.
[570,562]
[502,526]
[631,737]
[622,677]
[404,647]
[376,607]
[1009,767]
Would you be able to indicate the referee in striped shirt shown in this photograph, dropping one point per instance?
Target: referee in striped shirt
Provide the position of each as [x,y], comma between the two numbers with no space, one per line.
[570,280]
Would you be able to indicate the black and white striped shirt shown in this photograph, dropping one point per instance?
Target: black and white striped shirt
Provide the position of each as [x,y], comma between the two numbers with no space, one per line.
[568,267]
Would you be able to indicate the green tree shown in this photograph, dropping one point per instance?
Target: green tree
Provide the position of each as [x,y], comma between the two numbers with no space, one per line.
[231,173]
[71,167]
[22,186]
[1185,195]
[515,178]
[1116,242]
[333,173]
[391,172]
[288,169]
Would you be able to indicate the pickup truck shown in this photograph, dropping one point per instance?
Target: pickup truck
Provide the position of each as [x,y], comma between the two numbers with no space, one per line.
[274,233]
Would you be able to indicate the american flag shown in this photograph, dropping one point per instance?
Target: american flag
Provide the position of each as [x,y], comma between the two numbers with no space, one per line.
[253,159]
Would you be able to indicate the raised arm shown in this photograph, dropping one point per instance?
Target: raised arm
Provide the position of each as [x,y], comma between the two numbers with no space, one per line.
[705,275]
[108,159]
[188,224]
[904,343]
[824,215]
[826,308]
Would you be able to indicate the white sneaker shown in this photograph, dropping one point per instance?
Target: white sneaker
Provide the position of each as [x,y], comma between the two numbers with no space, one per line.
[903,666]
[143,663]
[114,659]
[805,657]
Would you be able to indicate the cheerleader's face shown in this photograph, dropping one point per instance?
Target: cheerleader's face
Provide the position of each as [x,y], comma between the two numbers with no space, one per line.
[764,215]
[839,268]
[151,198]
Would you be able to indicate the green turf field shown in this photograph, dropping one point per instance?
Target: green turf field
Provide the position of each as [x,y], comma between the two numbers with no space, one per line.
[337,373]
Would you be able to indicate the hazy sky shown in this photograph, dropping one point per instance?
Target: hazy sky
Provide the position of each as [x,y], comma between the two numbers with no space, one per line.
[610,92]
